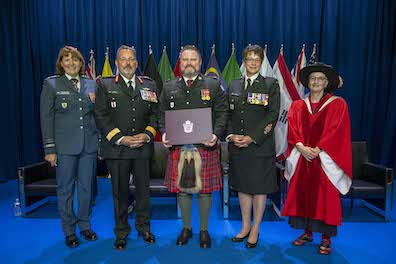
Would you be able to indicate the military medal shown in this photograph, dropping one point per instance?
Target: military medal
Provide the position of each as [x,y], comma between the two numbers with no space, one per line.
[205,94]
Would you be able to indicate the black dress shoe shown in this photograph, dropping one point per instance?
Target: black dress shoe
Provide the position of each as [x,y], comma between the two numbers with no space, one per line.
[148,237]
[184,236]
[72,241]
[89,235]
[252,245]
[239,239]
[204,239]
[120,244]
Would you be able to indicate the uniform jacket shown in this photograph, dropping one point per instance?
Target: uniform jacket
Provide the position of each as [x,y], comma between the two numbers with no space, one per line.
[204,92]
[67,116]
[122,111]
[250,116]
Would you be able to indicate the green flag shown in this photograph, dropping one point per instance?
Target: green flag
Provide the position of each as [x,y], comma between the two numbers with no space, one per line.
[231,70]
[164,67]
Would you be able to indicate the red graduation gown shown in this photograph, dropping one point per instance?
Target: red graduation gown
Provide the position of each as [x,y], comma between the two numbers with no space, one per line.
[313,193]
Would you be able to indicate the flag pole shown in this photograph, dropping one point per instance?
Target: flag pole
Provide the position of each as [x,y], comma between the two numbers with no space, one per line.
[150,50]
[213,48]
[281,49]
[232,48]
[164,50]
[303,47]
[107,52]
[265,49]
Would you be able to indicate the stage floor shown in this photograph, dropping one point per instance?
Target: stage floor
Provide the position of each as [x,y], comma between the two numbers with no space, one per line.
[363,237]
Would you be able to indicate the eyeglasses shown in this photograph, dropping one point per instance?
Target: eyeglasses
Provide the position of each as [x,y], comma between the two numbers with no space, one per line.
[319,79]
[251,60]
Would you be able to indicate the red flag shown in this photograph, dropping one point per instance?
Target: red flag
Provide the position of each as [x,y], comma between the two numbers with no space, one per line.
[176,70]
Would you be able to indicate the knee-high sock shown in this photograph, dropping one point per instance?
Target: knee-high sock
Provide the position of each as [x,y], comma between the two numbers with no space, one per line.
[204,205]
[185,202]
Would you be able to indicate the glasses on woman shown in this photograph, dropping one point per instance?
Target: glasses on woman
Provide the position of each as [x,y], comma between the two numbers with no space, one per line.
[319,79]
[251,60]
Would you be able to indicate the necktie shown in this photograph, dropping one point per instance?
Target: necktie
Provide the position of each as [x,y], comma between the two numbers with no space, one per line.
[75,81]
[189,82]
[130,84]
[249,82]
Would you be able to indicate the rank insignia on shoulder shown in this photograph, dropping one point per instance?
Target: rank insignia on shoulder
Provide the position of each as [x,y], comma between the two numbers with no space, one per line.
[139,78]
[117,78]
[53,76]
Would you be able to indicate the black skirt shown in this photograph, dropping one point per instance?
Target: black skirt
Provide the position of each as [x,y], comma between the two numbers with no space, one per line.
[253,175]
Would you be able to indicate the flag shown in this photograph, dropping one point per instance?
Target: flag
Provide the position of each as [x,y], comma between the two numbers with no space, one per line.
[231,70]
[176,70]
[314,56]
[106,71]
[266,69]
[91,68]
[288,93]
[300,63]
[151,71]
[164,67]
[213,69]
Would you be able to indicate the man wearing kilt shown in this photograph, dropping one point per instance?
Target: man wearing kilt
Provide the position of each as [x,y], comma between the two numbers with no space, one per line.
[193,90]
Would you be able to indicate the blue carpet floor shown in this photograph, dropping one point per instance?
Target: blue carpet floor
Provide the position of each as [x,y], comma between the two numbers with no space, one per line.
[363,237]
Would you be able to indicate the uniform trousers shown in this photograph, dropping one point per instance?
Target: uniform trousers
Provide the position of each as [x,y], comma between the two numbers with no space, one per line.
[71,170]
[120,170]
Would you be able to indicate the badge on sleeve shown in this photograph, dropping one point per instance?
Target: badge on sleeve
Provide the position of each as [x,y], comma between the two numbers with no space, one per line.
[64,105]
[172,104]
[205,94]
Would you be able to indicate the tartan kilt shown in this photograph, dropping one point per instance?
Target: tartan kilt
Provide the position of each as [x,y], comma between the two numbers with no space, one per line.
[210,172]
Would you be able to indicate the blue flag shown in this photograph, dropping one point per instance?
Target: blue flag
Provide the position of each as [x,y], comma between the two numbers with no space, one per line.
[213,69]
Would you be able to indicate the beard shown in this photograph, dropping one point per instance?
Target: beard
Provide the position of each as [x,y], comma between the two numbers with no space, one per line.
[189,71]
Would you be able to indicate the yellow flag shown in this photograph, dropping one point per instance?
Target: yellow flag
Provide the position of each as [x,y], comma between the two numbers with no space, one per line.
[107,71]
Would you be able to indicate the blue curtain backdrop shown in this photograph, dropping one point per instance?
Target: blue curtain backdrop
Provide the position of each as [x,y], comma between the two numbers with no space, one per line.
[357,37]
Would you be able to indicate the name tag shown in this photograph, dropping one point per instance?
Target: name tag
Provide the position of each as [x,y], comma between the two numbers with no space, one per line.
[258,99]
[63,92]
[149,96]
[113,92]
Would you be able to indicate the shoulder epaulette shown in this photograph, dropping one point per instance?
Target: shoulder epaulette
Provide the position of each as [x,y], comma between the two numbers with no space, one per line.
[145,77]
[53,76]
[212,76]
[106,77]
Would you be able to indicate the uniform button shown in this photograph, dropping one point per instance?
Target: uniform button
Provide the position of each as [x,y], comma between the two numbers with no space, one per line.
[80,117]
[241,129]
[133,100]
[133,129]
[243,102]
[133,119]
[242,112]
[81,127]
[133,109]
[188,92]
[80,108]
[187,102]
[241,120]
[79,99]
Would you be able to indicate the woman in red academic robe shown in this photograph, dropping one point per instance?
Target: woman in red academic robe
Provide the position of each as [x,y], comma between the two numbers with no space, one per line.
[319,157]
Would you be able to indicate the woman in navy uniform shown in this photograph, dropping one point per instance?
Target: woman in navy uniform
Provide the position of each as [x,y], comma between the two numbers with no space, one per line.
[70,140]
[254,107]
